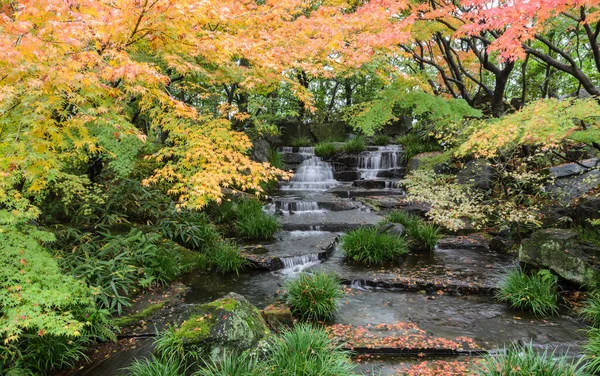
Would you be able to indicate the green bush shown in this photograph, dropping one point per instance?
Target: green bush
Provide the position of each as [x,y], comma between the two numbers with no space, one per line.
[422,234]
[325,150]
[525,360]
[253,223]
[355,145]
[232,364]
[536,293]
[301,142]
[381,140]
[369,246]
[414,144]
[227,258]
[154,367]
[192,230]
[591,308]
[591,349]
[306,350]
[314,296]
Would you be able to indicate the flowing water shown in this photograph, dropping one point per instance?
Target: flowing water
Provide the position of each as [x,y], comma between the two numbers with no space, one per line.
[313,215]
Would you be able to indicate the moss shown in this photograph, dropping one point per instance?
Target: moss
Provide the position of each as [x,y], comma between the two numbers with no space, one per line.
[196,327]
[134,318]
[228,304]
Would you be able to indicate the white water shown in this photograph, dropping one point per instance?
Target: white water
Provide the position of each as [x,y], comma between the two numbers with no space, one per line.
[312,175]
[297,264]
[296,207]
[371,163]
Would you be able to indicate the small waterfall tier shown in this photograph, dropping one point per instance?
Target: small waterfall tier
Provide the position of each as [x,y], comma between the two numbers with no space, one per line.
[375,164]
[313,174]
[299,207]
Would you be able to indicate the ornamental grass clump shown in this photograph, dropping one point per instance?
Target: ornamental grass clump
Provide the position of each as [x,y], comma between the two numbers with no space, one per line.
[154,367]
[422,234]
[325,149]
[520,360]
[307,350]
[591,308]
[251,222]
[369,246]
[227,258]
[314,296]
[355,145]
[536,293]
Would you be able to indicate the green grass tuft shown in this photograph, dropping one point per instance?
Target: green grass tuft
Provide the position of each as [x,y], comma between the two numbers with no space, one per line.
[422,234]
[154,367]
[589,235]
[232,364]
[355,145]
[591,309]
[136,317]
[248,219]
[314,296]
[414,144]
[227,258]
[301,142]
[325,150]
[520,360]
[381,140]
[275,158]
[536,293]
[306,350]
[369,246]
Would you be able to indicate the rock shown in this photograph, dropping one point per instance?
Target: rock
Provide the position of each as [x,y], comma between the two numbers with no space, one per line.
[391,228]
[345,175]
[260,260]
[421,160]
[329,131]
[228,324]
[500,244]
[260,150]
[292,129]
[371,184]
[573,180]
[586,208]
[560,251]
[278,316]
[398,127]
[472,241]
[477,173]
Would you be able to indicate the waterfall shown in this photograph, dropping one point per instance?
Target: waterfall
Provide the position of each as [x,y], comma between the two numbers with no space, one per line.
[312,175]
[286,149]
[297,264]
[297,207]
[371,163]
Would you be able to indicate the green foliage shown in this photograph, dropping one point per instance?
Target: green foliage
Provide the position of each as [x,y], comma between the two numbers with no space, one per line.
[591,349]
[404,97]
[589,235]
[591,309]
[250,221]
[314,296]
[192,230]
[301,142]
[354,145]
[232,364]
[381,140]
[423,234]
[275,158]
[414,143]
[227,258]
[536,293]
[520,360]
[306,350]
[369,246]
[325,149]
[154,367]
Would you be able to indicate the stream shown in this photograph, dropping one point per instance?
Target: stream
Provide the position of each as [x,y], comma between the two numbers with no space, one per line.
[445,293]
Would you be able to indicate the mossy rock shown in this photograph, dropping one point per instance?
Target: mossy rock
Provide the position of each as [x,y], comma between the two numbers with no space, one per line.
[225,325]
[561,251]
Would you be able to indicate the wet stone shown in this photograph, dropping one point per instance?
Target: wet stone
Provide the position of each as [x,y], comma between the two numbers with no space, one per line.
[278,316]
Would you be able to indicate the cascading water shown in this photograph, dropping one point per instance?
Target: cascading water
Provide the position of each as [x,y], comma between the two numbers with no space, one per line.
[312,175]
[297,207]
[296,264]
[372,163]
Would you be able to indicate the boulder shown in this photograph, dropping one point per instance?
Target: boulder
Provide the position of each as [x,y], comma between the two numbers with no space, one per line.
[260,150]
[278,316]
[422,160]
[587,208]
[329,131]
[501,244]
[477,241]
[391,228]
[477,173]
[573,180]
[560,251]
[225,325]
[371,184]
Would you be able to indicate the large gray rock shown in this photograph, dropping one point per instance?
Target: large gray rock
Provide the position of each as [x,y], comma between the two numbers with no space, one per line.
[423,160]
[329,131]
[260,150]
[573,180]
[588,208]
[560,251]
[477,173]
[225,325]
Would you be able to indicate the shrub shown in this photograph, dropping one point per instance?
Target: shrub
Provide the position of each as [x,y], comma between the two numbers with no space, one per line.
[301,142]
[227,258]
[325,149]
[154,367]
[369,246]
[192,230]
[536,293]
[381,140]
[355,145]
[232,364]
[414,144]
[274,157]
[314,296]
[525,360]
[591,309]
[589,235]
[306,350]
[253,223]
[424,235]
